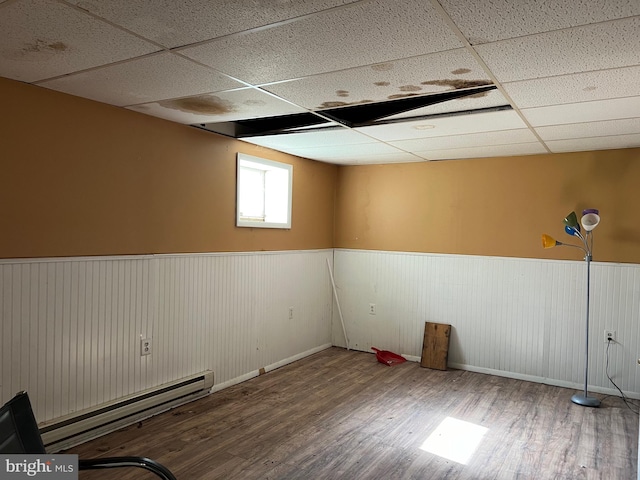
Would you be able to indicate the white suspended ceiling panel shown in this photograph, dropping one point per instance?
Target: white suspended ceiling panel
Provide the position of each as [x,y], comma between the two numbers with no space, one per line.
[577,87]
[483,139]
[366,33]
[590,130]
[442,126]
[155,77]
[484,21]
[182,22]
[486,151]
[198,61]
[43,38]
[592,47]
[584,112]
[596,143]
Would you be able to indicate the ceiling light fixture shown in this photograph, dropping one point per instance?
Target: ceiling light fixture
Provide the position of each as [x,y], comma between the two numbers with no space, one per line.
[424,127]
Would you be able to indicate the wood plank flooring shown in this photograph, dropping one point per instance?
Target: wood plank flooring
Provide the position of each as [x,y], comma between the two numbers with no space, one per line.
[341,415]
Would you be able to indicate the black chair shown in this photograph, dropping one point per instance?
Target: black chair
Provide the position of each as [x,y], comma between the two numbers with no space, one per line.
[19,433]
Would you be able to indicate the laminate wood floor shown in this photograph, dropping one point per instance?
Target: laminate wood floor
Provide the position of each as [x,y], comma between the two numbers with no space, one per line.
[340,414]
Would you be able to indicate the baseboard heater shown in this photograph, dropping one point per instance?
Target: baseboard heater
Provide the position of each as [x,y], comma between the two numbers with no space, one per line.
[91,423]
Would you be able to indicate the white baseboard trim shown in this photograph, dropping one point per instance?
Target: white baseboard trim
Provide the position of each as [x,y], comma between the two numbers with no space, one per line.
[268,368]
[543,380]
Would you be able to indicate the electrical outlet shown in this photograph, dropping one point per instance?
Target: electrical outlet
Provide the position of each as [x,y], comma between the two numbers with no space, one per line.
[372,309]
[290,313]
[609,335]
[145,346]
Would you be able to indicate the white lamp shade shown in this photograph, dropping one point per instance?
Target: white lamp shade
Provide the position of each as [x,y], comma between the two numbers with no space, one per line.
[590,220]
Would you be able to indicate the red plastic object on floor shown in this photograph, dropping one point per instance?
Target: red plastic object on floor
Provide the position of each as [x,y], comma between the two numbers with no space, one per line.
[387,357]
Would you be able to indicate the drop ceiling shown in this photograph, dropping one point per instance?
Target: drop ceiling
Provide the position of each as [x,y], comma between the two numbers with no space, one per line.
[528,77]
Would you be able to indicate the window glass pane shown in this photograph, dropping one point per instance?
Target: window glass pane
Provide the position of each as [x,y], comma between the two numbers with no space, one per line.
[251,202]
[264,191]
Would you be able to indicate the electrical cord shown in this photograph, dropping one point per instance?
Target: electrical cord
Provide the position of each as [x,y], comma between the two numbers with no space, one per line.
[626,401]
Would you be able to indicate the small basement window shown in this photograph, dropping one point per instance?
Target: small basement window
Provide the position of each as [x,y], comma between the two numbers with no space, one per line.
[263,193]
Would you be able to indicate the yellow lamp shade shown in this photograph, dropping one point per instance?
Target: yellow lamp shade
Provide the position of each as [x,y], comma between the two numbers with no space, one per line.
[548,241]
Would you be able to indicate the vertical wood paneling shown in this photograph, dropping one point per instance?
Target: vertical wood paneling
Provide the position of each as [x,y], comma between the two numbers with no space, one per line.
[522,317]
[70,328]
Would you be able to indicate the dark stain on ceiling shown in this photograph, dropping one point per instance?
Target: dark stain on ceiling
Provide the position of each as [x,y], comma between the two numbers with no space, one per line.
[202,104]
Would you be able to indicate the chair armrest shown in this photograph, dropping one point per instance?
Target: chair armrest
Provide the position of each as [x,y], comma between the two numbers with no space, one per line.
[118,462]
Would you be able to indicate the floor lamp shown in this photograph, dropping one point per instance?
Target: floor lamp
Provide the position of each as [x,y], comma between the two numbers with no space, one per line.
[590,219]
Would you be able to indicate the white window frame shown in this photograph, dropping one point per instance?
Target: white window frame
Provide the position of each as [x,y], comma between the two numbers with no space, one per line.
[278,192]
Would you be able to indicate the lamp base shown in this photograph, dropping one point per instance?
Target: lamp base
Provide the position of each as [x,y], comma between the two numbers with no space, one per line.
[585,400]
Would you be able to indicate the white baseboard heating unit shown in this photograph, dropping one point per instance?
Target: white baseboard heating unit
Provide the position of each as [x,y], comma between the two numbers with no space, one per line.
[82,426]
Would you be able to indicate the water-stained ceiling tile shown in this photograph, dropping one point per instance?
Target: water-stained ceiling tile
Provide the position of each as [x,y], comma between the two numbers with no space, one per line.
[483,21]
[360,34]
[175,23]
[220,107]
[436,72]
[41,39]
[155,77]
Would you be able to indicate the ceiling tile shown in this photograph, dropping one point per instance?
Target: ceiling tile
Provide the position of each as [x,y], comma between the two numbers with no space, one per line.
[221,107]
[484,21]
[503,137]
[593,47]
[361,34]
[175,23]
[579,87]
[592,129]
[42,39]
[487,151]
[436,72]
[382,159]
[296,141]
[345,152]
[453,125]
[583,112]
[595,143]
[156,77]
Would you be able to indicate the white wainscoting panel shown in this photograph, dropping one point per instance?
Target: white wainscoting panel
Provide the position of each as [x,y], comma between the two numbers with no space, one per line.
[523,318]
[70,327]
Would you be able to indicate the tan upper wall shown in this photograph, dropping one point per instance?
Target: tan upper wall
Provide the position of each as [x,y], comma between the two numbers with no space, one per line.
[496,206]
[84,178]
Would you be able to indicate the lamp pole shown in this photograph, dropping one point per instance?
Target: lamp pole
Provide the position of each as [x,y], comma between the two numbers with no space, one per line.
[584,399]
[590,220]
